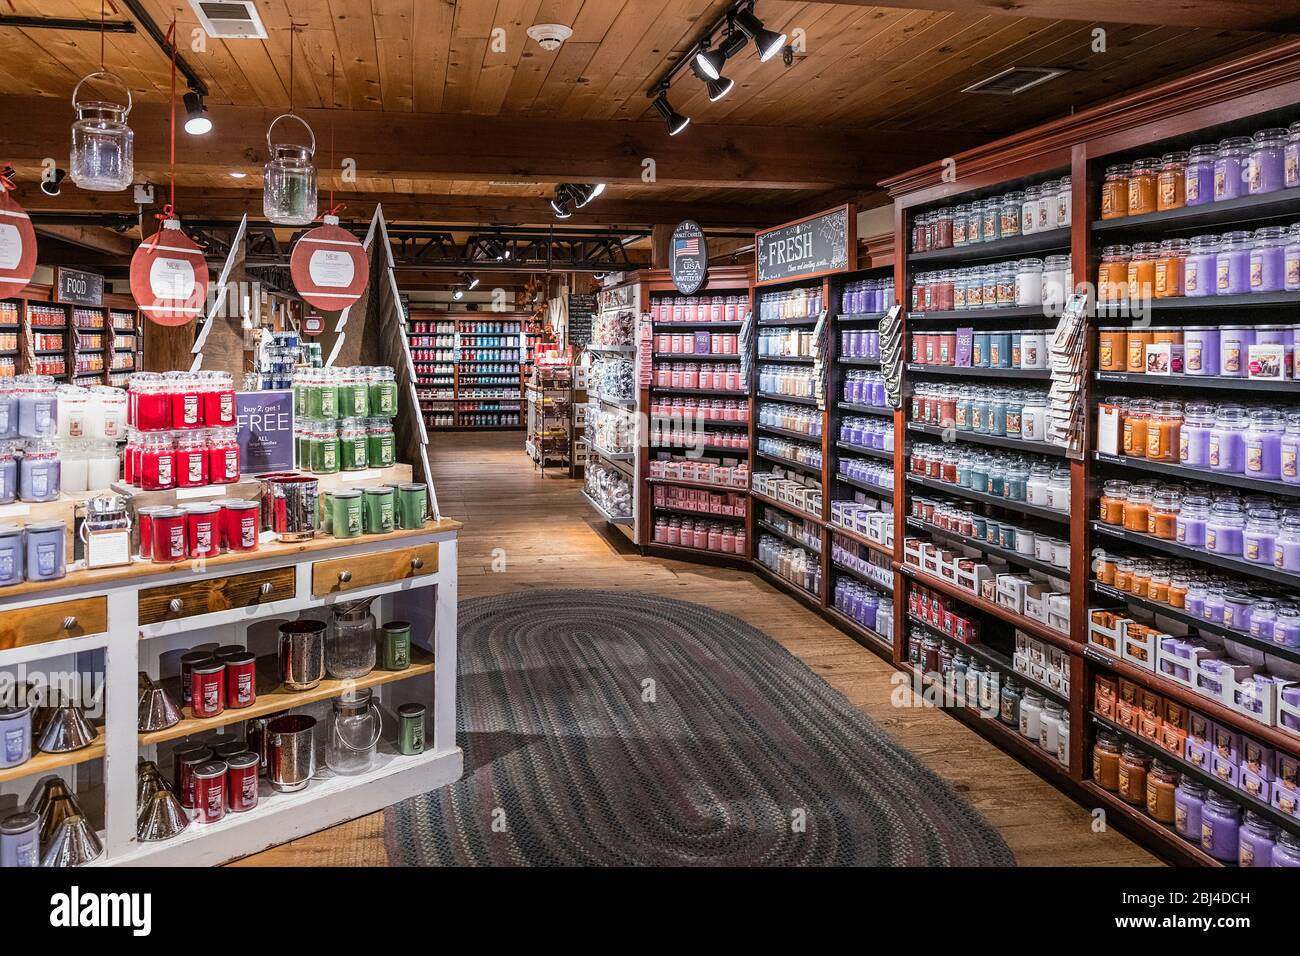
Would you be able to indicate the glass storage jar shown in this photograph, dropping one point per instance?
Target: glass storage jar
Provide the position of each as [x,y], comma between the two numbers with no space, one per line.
[350,641]
[1230,167]
[354,728]
[103,145]
[289,195]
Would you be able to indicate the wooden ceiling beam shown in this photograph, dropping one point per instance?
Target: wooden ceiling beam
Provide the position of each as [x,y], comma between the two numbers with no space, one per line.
[425,146]
[1267,16]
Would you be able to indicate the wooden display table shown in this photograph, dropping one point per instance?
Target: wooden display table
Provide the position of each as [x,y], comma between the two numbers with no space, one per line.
[118,622]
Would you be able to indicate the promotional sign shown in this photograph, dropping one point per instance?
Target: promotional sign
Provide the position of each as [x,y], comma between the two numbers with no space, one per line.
[169,276]
[689,261]
[329,266]
[313,325]
[582,312]
[17,244]
[265,424]
[807,248]
[74,287]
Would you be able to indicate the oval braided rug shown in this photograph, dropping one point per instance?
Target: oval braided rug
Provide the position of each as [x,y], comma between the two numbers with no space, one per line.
[604,728]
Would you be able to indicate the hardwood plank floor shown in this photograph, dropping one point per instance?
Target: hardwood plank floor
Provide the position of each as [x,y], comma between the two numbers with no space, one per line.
[547,536]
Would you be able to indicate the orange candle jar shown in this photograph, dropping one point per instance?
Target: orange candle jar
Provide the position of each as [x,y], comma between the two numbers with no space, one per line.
[1137,508]
[1162,781]
[1178,590]
[1158,588]
[1114,192]
[1162,431]
[1105,761]
[1171,182]
[1136,415]
[1138,340]
[1141,275]
[1113,495]
[1141,579]
[1142,186]
[1104,566]
[1162,517]
[1112,349]
[1112,274]
[1169,268]
[1124,575]
[1132,775]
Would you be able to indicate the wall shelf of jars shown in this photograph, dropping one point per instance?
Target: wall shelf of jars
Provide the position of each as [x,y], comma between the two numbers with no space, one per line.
[88,345]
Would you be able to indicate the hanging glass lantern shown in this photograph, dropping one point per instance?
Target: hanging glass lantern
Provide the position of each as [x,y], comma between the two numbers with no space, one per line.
[103,146]
[289,184]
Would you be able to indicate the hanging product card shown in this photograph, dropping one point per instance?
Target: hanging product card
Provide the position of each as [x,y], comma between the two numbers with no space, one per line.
[689,262]
[821,332]
[17,245]
[891,355]
[1066,394]
[329,267]
[808,248]
[169,276]
[265,424]
[645,338]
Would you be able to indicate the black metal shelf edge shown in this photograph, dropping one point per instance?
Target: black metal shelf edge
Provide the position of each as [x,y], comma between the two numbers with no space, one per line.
[1006,554]
[1200,474]
[787,433]
[997,248]
[863,577]
[864,450]
[957,491]
[1200,381]
[997,441]
[787,323]
[865,486]
[696,356]
[720,392]
[788,463]
[972,372]
[1264,571]
[786,536]
[698,325]
[860,316]
[796,399]
[859,362]
[1002,312]
[1250,300]
[787,359]
[1281,203]
[865,409]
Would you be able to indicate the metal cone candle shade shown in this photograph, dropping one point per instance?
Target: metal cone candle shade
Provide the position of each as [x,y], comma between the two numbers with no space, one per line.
[66,730]
[149,780]
[74,843]
[55,811]
[157,711]
[329,266]
[169,276]
[161,818]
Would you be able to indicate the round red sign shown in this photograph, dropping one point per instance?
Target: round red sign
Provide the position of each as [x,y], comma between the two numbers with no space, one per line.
[329,266]
[17,246]
[169,276]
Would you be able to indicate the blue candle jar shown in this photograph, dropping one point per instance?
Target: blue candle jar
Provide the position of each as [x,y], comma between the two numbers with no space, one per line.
[8,410]
[20,840]
[8,474]
[11,554]
[999,350]
[15,736]
[997,419]
[37,406]
[45,550]
[39,472]
[980,350]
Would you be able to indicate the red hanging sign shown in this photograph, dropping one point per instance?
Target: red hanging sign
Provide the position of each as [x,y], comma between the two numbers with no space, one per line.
[329,266]
[17,245]
[169,276]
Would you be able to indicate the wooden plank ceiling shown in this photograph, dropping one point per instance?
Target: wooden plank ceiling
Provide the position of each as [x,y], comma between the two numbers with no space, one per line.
[885,76]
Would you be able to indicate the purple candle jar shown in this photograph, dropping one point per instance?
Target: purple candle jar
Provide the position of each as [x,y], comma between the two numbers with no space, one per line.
[1265,165]
[1223,530]
[1194,604]
[1263,444]
[1230,167]
[1194,435]
[1189,526]
[1286,627]
[1286,553]
[1287,851]
[11,554]
[8,474]
[1199,175]
[1189,801]
[8,410]
[1220,827]
[1268,259]
[15,736]
[1199,266]
[1228,439]
[1214,604]
[1260,537]
[1262,619]
[37,406]
[46,550]
[1256,841]
[20,840]
[1201,350]
[38,474]
[1232,263]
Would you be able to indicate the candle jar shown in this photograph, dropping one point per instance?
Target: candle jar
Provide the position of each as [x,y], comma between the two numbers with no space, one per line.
[352,444]
[1049,727]
[1199,178]
[1114,192]
[209,791]
[109,418]
[202,529]
[168,525]
[207,689]
[15,736]
[1029,282]
[1162,782]
[11,554]
[1259,540]
[191,460]
[8,409]
[1137,416]
[241,782]
[990,220]
[1286,620]
[1223,529]
[354,397]
[381,448]
[289,179]
[1163,441]
[8,473]
[1201,350]
[379,510]
[382,386]
[103,467]
[1287,850]
[1220,827]
[148,403]
[1171,181]
[1105,761]
[1286,553]
[1112,349]
[325,448]
[346,519]
[223,456]
[39,472]
[1133,769]
[1189,800]
[218,392]
[1112,274]
[241,522]
[1137,508]
[1162,518]
[1169,268]
[1199,268]
[1291,258]
[1113,496]
[1058,490]
[1141,274]
[1232,263]
[182,390]
[103,145]
[1263,617]
[37,406]
[1230,167]
[1009,210]
[1038,485]
[1058,279]
[1228,439]
[1193,513]
[72,412]
[1142,189]
[1290,449]
[1268,259]
[1263,444]
[1265,163]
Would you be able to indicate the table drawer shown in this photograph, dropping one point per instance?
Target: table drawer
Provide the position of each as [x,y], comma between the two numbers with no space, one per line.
[53,622]
[340,575]
[178,601]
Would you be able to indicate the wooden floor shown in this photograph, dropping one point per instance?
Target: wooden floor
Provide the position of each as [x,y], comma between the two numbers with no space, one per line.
[549,537]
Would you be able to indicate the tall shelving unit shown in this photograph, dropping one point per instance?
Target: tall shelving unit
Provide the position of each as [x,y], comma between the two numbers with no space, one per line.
[489,370]
[433,353]
[83,344]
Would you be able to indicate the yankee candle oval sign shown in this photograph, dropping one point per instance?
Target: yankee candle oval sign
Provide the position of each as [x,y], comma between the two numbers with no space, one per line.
[329,267]
[169,276]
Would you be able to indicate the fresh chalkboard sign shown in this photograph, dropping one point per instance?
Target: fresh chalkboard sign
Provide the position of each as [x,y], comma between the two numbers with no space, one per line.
[74,287]
[808,248]
[689,260]
[582,311]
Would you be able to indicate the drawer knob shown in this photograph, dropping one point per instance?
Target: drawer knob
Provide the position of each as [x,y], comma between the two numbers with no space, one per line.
[417,564]
[175,605]
[266,587]
[69,623]
[345,577]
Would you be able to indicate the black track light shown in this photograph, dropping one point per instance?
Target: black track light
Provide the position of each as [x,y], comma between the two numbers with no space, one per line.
[458,294]
[585,193]
[51,184]
[768,43]
[675,120]
[470,280]
[708,63]
[562,203]
[719,88]
[196,115]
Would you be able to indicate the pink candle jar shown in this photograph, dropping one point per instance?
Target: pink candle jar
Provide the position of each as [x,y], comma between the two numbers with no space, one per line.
[1232,263]
[1230,167]
[202,529]
[1265,163]
[218,400]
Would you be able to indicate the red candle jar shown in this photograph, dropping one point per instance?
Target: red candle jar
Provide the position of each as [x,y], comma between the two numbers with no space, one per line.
[202,529]
[207,689]
[144,525]
[241,782]
[187,404]
[191,460]
[150,406]
[156,462]
[210,791]
[168,526]
[223,456]
[128,459]
[240,524]
[218,400]
[241,690]
[184,760]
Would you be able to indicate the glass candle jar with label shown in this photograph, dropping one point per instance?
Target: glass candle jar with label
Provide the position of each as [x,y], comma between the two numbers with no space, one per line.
[1232,263]
[191,460]
[1114,192]
[1142,186]
[1224,527]
[1234,350]
[187,404]
[1199,175]
[1265,163]
[1171,181]
[1169,268]
[1263,444]
[1268,259]
[37,406]
[1228,439]
[1230,167]
[1201,350]
[1199,268]
[39,472]
[1259,539]
[46,550]
[1220,827]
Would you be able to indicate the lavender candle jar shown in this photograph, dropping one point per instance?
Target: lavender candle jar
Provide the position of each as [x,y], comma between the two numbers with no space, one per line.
[1260,537]
[8,411]
[1223,530]
[1256,841]
[1189,801]
[11,554]
[39,472]
[1199,175]
[1220,828]
[15,736]
[1286,553]
[20,837]
[1287,851]
[1228,439]
[1230,167]
[1265,164]
[1286,627]
[1201,351]
[8,474]
[1194,435]
[46,550]
[1268,259]
[1232,263]
[1234,349]
[38,415]
[1263,444]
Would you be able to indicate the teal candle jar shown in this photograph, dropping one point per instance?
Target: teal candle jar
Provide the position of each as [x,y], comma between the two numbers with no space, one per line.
[410,729]
[979,526]
[381,446]
[379,510]
[383,391]
[412,505]
[997,418]
[325,448]
[346,516]
[992,531]
[997,482]
[397,645]
[353,451]
[980,350]
[354,393]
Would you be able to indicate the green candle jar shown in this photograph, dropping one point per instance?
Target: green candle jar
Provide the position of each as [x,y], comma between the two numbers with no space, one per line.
[325,449]
[412,505]
[325,505]
[353,452]
[381,447]
[354,393]
[302,444]
[346,519]
[397,645]
[299,395]
[383,391]
[379,510]
[410,729]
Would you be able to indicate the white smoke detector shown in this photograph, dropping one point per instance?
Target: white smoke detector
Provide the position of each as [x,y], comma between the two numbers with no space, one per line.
[549,36]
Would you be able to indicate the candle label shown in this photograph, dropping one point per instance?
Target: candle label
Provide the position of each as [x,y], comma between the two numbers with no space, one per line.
[1223,272]
[164,470]
[176,542]
[1289,462]
[1254,458]
[227,407]
[1190,270]
[194,469]
[190,409]
[247,532]
[203,538]
[1256,272]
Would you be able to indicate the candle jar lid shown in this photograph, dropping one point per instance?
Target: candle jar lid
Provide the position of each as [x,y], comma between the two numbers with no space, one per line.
[410,711]
[243,761]
[209,770]
[18,823]
[210,666]
[39,527]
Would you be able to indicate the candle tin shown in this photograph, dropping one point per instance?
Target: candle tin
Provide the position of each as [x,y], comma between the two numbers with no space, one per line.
[20,840]
[202,529]
[207,689]
[184,760]
[241,679]
[46,550]
[15,736]
[346,520]
[241,525]
[229,750]
[209,791]
[188,660]
[241,782]
[168,535]
[410,729]
[144,528]
[11,554]
[397,645]
[412,503]
[378,510]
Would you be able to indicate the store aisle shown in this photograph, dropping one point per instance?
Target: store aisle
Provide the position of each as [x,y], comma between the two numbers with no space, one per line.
[522,531]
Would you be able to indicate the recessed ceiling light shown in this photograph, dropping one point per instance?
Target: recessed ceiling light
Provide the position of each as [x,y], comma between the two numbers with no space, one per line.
[237,174]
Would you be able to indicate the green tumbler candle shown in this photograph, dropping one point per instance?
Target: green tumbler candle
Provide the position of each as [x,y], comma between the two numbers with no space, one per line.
[410,729]
[346,520]
[412,505]
[397,645]
[326,511]
[379,509]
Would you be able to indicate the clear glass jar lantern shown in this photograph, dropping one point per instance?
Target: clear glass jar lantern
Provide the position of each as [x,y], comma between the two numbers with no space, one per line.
[103,146]
[289,179]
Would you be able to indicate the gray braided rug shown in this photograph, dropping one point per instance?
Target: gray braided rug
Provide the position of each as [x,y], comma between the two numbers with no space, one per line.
[744,756]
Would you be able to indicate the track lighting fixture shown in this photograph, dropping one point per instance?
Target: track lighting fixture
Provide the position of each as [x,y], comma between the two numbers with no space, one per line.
[470,280]
[708,63]
[675,120]
[768,43]
[196,115]
[562,202]
[585,193]
[458,294]
[52,184]
[719,88]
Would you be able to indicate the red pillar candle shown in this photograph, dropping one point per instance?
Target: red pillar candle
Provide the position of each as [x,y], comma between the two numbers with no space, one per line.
[241,782]
[210,791]
[241,690]
[218,400]
[241,524]
[168,535]
[191,460]
[155,466]
[150,403]
[207,689]
[202,530]
[223,456]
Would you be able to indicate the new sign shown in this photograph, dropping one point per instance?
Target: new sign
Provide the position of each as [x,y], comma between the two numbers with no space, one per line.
[808,248]
[689,260]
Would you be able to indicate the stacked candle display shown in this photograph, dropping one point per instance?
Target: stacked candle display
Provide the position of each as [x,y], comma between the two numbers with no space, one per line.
[183,430]
[345,418]
[198,530]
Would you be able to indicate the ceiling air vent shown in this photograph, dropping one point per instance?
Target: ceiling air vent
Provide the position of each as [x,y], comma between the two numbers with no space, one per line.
[1015,79]
[230,19]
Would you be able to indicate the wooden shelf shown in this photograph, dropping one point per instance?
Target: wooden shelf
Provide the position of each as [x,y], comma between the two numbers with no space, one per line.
[787,508]
[1029,626]
[707,485]
[43,763]
[1006,554]
[863,540]
[996,659]
[788,538]
[278,698]
[797,590]
[877,642]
